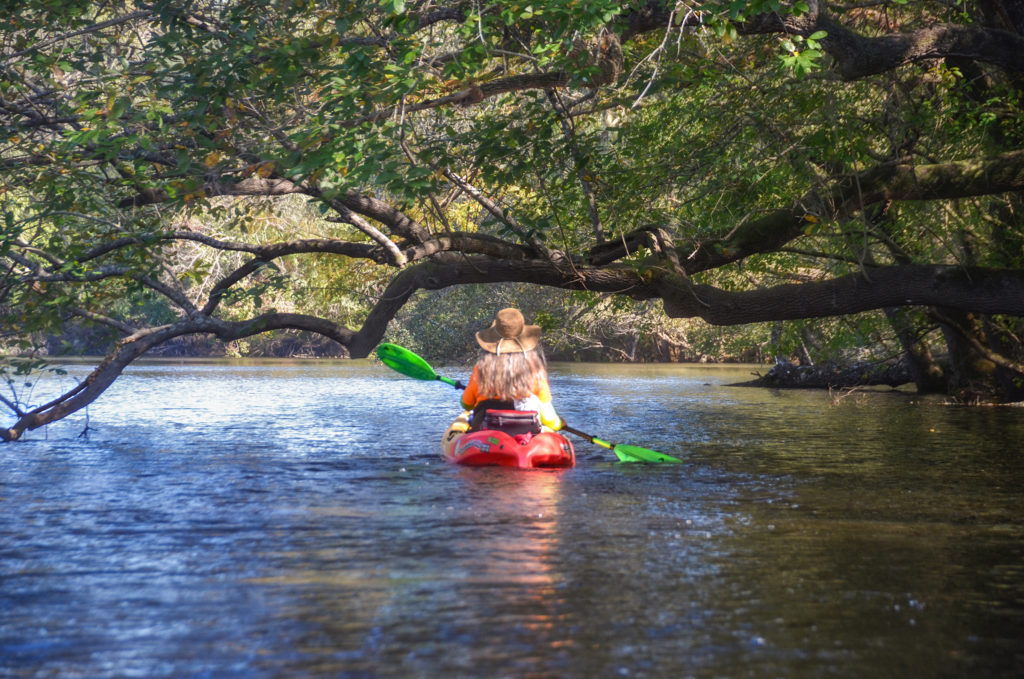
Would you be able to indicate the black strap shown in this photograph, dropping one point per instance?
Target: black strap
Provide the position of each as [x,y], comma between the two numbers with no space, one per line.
[482,407]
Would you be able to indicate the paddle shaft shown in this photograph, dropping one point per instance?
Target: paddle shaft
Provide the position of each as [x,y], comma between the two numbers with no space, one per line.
[583,434]
[448,380]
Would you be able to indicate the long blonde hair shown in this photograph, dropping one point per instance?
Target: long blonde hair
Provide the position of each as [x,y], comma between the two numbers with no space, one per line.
[511,375]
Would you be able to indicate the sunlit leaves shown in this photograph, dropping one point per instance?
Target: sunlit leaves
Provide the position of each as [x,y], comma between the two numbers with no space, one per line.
[803,55]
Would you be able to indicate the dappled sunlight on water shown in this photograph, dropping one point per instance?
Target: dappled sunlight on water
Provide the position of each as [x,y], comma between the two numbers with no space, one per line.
[295,519]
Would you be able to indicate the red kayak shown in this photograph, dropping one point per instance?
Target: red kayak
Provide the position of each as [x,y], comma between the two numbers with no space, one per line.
[546,450]
[507,447]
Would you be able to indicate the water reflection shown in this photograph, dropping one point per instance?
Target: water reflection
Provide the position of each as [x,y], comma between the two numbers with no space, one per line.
[295,520]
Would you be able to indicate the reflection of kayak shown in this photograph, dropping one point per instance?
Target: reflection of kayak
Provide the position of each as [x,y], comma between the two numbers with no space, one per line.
[486,447]
[489,447]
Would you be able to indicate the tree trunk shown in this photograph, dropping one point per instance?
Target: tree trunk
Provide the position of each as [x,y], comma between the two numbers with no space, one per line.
[927,374]
[971,375]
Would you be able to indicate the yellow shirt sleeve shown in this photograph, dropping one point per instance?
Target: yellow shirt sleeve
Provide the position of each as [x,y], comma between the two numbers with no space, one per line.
[548,417]
[542,389]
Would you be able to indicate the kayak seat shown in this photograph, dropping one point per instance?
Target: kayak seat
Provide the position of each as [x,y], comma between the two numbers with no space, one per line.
[476,422]
[512,422]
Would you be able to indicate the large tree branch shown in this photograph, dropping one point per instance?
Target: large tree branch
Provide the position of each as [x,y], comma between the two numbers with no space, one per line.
[971,289]
[896,182]
[939,181]
[398,222]
[473,94]
[135,345]
[858,56]
[118,325]
[351,206]
[469,244]
[977,290]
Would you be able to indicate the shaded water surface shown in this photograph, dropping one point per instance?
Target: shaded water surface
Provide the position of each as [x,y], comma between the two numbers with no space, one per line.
[294,520]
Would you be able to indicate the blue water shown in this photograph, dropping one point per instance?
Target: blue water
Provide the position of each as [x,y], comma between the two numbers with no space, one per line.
[295,520]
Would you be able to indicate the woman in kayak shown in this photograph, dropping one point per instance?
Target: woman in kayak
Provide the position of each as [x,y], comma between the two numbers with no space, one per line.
[511,373]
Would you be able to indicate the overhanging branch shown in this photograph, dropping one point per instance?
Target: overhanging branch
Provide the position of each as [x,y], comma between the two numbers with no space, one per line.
[857,56]
[890,182]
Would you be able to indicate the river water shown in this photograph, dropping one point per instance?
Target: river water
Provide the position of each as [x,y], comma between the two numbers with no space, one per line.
[295,520]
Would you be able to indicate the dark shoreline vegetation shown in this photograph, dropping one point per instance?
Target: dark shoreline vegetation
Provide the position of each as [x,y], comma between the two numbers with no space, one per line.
[835,187]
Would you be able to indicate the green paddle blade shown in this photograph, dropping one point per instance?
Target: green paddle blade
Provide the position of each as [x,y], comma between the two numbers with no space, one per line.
[404,361]
[409,364]
[637,454]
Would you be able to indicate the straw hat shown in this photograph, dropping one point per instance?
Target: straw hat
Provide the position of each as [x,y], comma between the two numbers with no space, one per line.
[509,333]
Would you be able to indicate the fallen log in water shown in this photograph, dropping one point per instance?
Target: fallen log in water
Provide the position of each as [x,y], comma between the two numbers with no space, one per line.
[786,375]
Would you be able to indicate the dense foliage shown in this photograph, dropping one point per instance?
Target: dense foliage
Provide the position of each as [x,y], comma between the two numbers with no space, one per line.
[188,169]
